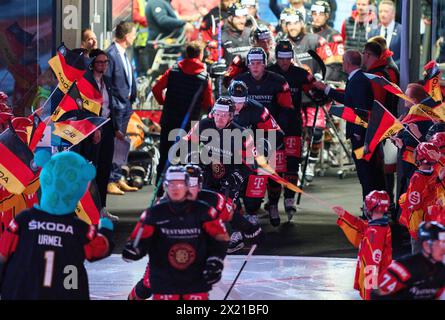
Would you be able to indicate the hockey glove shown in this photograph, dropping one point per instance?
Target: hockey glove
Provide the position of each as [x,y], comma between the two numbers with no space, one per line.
[218,69]
[231,185]
[253,237]
[130,253]
[213,270]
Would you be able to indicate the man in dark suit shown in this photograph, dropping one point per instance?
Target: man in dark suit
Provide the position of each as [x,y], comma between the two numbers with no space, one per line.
[389,28]
[358,95]
[123,86]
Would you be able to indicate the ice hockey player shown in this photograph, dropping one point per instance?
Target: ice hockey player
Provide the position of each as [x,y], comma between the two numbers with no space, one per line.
[235,35]
[333,58]
[260,37]
[299,81]
[186,242]
[273,92]
[420,276]
[372,238]
[421,191]
[46,245]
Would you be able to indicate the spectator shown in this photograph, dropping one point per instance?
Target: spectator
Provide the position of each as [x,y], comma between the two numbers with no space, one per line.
[101,153]
[182,82]
[139,50]
[389,29]
[193,10]
[355,29]
[162,22]
[209,24]
[89,40]
[123,86]
[358,94]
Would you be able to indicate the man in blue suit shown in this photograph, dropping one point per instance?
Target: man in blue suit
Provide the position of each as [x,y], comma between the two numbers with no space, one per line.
[389,28]
[123,86]
[358,95]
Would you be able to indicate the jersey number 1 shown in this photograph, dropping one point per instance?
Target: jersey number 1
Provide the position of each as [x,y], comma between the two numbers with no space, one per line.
[49,267]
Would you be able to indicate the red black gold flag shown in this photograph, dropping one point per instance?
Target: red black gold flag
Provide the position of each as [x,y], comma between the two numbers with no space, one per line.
[75,131]
[92,98]
[382,124]
[67,66]
[70,102]
[349,114]
[37,132]
[432,75]
[15,162]
[88,208]
[389,86]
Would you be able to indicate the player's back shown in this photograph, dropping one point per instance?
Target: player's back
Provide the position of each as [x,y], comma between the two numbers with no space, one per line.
[48,260]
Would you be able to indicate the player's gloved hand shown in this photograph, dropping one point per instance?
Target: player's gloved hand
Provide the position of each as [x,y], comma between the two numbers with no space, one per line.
[213,270]
[231,185]
[130,253]
[254,236]
[218,69]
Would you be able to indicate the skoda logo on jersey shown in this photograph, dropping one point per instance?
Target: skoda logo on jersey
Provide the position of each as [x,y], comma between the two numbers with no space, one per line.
[181,256]
[50,226]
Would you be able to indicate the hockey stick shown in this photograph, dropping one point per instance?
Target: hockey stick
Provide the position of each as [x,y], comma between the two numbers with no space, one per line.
[241,270]
[220,79]
[319,61]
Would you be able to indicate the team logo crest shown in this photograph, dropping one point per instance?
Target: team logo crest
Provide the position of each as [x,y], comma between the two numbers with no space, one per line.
[218,170]
[181,256]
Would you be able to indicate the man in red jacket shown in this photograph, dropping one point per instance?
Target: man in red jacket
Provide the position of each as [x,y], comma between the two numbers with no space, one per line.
[183,81]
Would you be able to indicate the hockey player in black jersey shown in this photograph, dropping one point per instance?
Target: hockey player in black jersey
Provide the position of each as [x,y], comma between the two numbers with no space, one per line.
[273,92]
[299,81]
[43,250]
[186,242]
[420,276]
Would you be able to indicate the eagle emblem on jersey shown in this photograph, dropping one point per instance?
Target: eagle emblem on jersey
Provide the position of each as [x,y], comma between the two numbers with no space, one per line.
[218,170]
[181,256]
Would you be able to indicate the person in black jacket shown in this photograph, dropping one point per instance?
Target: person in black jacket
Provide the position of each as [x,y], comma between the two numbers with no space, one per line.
[162,21]
[358,94]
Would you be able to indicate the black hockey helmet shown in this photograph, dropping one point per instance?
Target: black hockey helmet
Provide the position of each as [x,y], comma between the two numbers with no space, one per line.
[435,128]
[321,6]
[237,10]
[431,231]
[175,172]
[195,175]
[261,33]
[284,50]
[238,89]
[224,104]
[256,54]
[294,16]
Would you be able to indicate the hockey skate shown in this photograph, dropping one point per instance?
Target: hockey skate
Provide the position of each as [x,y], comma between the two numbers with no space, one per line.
[274,215]
[310,172]
[290,208]
[236,242]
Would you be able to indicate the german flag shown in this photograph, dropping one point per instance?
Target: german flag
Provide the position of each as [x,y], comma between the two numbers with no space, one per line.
[382,124]
[75,131]
[70,102]
[37,131]
[432,77]
[67,66]
[389,86]
[15,162]
[88,208]
[91,96]
[350,115]
[420,112]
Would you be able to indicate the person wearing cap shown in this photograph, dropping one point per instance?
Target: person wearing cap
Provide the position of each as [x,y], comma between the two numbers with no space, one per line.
[299,81]
[179,268]
[260,37]
[333,59]
[235,35]
[420,276]
[372,238]
[273,92]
